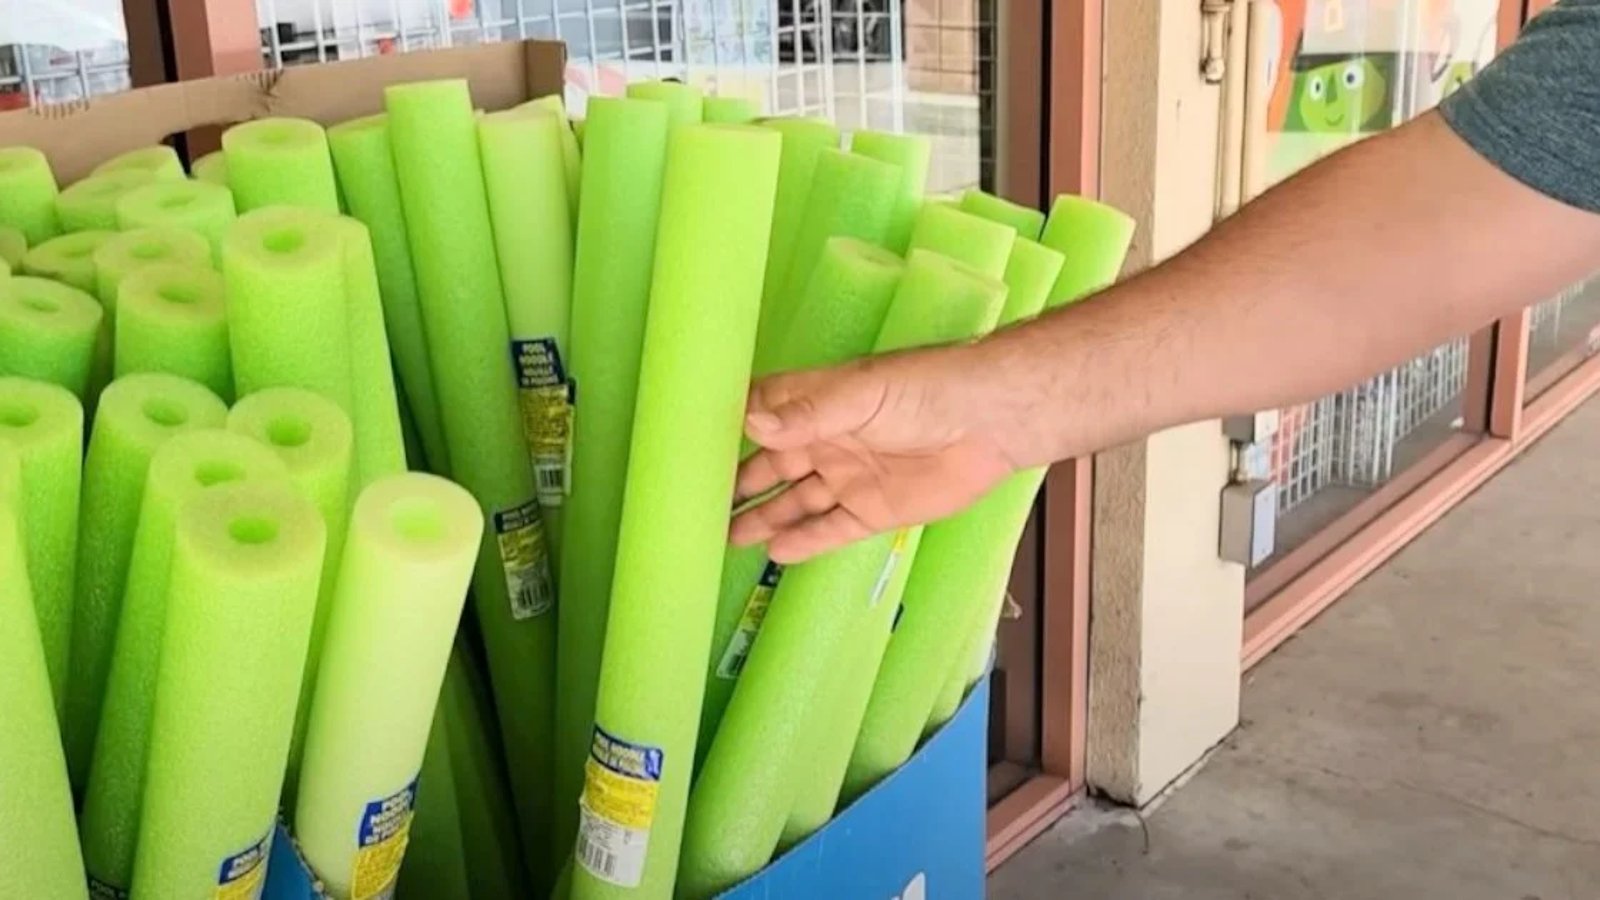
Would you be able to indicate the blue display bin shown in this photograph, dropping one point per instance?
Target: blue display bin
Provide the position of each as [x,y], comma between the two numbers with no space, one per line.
[918,834]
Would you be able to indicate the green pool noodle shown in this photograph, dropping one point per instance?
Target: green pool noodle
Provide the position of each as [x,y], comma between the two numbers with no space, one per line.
[729,110]
[68,259]
[286,301]
[245,560]
[970,666]
[624,163]
[435,863]
[129,251]
[185,466]
[280,161]
[374,400]
[495,866]
[43,424]
[745,789]
[571,149]
[837,320]
[365,164]
[699,340]
[316,441]
[134,417]
[912,153]
[435,138]
[91,204]
[157,161]
[804,139]
[171,319]
[413,541]
[36,823]
[836,712]
[13,246]
[579,129]
[198,206]
[1027,222]
[1094,238]
[48,332]
[685,102]
[28,194]
[850,196]
[962,236]
[526,183]
[213,168]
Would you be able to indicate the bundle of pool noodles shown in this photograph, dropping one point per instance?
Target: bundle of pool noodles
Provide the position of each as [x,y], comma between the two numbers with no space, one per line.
[170,318]
[91,204]
[48,332]
[28,194]
[158,161]
[68,259]
[280,162]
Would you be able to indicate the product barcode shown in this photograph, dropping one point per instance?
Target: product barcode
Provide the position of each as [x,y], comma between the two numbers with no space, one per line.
[552,479]
[736,665]
[596,858]
[533,596]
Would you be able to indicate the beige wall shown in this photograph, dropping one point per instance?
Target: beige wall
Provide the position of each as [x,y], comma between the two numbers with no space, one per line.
[1167,613]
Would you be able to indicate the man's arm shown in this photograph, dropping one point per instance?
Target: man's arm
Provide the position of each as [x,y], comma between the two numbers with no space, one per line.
[1361,261]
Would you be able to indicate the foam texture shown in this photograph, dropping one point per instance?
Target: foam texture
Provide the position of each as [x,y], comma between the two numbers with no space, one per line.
[280,162]
[91,204]
[212,168]
[685,103]
[198,206]
[434,134]
[804,139]
[837,320]
[964,237]
[571,150]
[135,416]
[1027,222]
[244,581]
[316,441]
[68,259]
[28,194]
[912,153]
[13,246]
[850,196]
[435,864]
[746,789]
[365,163]
[716,209]
[286,301]
[43,424]
[184,467]
[131,251]
[620,203]
[171,319]
[48,332]
[36,824]
[156,161]
[374,400]
[495,864]
[1094,238]
[409,557]
[729,110]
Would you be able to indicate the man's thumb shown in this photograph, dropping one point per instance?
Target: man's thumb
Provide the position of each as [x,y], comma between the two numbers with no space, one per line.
[796,410]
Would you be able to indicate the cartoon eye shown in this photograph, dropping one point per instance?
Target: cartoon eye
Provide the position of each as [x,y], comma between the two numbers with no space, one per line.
[1316,87]
[1353,76]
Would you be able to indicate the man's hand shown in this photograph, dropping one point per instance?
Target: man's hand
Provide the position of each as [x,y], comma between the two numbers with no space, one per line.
[863,448]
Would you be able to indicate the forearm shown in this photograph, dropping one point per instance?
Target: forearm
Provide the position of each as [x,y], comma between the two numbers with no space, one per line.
[1358,263]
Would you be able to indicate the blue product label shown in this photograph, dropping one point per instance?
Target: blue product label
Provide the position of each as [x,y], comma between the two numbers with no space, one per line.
[243,875]
[381,838]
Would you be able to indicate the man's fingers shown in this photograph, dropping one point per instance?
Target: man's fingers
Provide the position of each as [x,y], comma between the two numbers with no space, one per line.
[800,408]
[816,535]
[803,499]
[767,469]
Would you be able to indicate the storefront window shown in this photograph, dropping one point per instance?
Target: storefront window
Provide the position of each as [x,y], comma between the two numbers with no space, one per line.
[61,50]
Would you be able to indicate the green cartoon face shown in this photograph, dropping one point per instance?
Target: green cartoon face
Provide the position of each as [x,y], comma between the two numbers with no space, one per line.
[1344,97]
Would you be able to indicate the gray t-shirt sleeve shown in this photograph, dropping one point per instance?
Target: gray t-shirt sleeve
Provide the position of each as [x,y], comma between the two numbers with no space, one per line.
[1535,111]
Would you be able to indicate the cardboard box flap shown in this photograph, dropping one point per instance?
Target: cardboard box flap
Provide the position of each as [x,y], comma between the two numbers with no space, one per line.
[79,135]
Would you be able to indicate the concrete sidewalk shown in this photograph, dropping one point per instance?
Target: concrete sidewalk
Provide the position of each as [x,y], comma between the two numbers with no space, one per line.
[1435,735]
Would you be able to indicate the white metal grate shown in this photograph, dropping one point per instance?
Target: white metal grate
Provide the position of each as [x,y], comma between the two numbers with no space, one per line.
[34,74]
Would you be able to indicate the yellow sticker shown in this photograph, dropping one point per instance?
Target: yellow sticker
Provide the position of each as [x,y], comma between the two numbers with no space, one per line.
[622,782]
[526,558]
[896,550]
[755,612]
[381,838]
[547,399]
[243,875]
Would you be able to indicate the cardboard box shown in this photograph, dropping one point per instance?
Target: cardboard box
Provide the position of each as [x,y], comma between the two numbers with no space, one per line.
[918,834]
[78,136]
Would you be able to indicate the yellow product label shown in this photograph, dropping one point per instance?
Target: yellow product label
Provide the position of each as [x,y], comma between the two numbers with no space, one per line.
[381,839]
[896,551]
[243,875]
[547,399]
[755,612]
[526,558]
[622,782]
